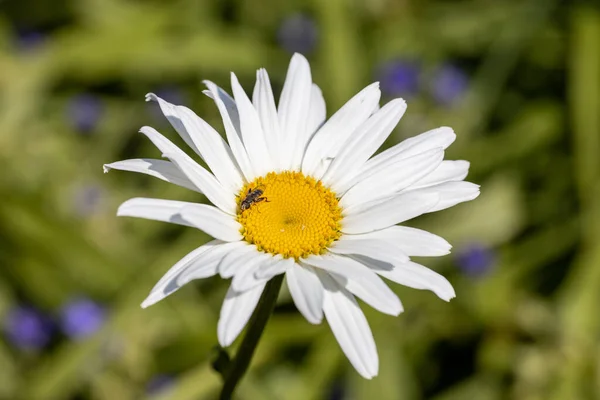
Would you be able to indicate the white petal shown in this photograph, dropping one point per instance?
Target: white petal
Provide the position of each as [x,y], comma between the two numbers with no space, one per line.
[451,193]
[212,221]
[231,122]
[419,243]
[202,261]
[235,313]
[350,328]
[293,112]
[392,178]
[205,141]
[379,215]
[204,180]
[264,102]
[245,278]
[359,280]
[329,140]
[209,265]
[363,143]
[158,168]
[410,241]
[439,137]
[171,113]
[370,247]
[278,266]
[252,133]
[236,260]
[307,292]
[221,97]
[412,275]
[209,185]
[317,112]
[447,171]
[154,209]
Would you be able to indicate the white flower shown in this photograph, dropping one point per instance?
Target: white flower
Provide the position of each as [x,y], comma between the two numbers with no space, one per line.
[317,206]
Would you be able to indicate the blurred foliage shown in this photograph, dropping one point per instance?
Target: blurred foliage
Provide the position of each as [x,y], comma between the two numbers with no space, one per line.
[528,328]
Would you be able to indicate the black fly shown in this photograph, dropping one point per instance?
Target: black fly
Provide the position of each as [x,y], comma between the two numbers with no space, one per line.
[253,196]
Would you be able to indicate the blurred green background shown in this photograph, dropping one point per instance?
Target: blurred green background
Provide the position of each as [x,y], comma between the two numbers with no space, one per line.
[519,81]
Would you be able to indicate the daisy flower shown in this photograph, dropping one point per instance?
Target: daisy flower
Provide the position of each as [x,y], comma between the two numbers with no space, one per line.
[296,194]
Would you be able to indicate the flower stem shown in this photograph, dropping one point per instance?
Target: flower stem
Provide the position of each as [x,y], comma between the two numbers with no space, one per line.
[238,366]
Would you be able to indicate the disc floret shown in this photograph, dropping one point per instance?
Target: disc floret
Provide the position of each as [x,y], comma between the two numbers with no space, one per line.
[290,214]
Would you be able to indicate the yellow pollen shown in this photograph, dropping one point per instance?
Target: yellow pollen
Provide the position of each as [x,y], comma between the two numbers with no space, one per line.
[294,216]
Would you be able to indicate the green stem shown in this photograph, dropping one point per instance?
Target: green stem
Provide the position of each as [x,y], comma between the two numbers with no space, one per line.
[238,366]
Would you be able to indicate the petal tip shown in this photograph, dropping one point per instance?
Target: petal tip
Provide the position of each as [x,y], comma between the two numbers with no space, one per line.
[212,87]
[448,293]
[314,321]
[224,339]
[299,57]
[369,373]
[450,297]
[261,73]
[122,210]
[147,302]
[448,131]
[397,308]
[147,130]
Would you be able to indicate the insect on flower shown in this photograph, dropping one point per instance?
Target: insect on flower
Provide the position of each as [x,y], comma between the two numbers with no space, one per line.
[253,196]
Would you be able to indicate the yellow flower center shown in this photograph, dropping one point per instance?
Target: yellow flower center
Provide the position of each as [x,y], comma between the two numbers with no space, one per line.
[290,214]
